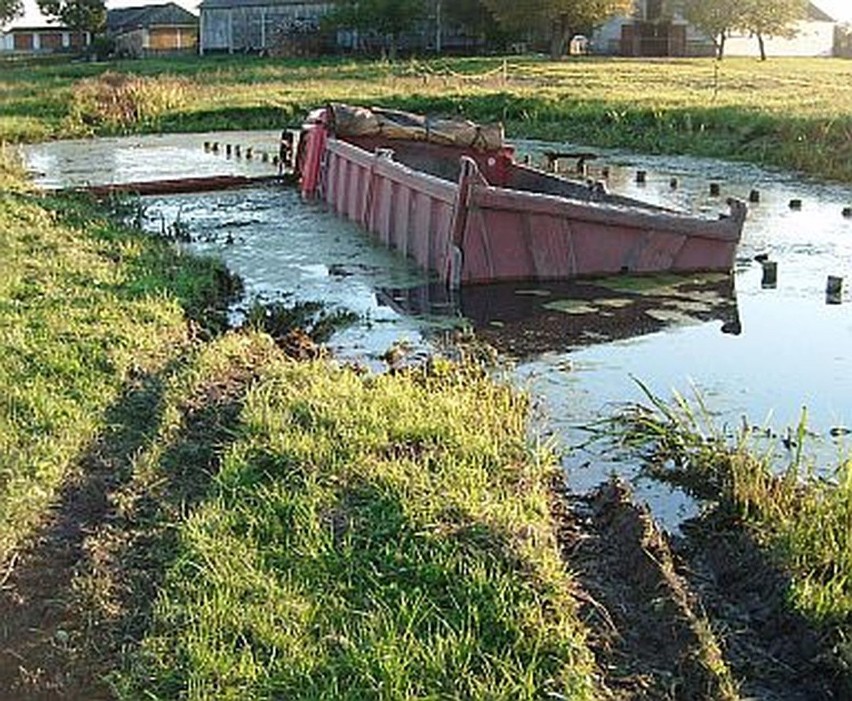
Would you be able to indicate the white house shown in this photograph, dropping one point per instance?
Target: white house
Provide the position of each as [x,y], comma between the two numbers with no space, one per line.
[648,32]
[34,33]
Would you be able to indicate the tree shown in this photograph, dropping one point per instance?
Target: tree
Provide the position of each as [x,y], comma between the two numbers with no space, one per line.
[477,20]
[81,15]
[772,18]
[10,9]
[561,19]
[715,18]
[386,19]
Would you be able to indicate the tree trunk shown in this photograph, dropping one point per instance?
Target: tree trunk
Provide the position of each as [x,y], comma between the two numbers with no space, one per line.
[762,46]
[558,38]
[720,46]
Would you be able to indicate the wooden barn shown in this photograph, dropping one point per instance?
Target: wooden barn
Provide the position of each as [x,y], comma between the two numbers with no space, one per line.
[153,30]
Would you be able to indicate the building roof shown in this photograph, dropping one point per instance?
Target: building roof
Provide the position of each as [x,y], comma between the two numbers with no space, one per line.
[816,14]
[127,19]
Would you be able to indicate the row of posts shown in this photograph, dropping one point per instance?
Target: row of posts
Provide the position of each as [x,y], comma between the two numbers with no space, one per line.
[236,151]
[833,283]
[642,178]
[716,191]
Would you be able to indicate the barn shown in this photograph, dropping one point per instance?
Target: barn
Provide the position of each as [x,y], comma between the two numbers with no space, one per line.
[34,33]
[273,26]
[153,30]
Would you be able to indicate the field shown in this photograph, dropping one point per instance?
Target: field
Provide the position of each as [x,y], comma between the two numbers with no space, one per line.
[188,511]
[793,113]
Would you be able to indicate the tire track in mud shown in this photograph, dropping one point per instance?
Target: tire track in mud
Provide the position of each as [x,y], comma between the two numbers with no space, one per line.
[646,630]
[701,616]
[79,595]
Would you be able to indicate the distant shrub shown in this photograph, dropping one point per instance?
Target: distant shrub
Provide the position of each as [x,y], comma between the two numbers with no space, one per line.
[119,101]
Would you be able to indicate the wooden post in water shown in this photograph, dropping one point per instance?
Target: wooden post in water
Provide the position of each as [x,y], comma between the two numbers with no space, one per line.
[715,189]
[833,289]
[641,177]
[754,196]
[770,275]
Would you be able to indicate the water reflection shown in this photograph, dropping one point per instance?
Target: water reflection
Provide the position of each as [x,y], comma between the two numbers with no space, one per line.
[527,320]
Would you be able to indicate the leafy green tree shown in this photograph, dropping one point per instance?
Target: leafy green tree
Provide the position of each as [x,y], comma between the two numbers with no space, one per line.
[386,19]
[715,18]
[561,19]
[777,18]
[477,19]
[82,15]
[9,9]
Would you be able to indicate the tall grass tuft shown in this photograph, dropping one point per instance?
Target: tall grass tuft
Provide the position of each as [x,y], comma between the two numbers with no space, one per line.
[119,102]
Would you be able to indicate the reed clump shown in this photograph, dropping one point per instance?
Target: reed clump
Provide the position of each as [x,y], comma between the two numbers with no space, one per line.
[120,102]
[801,514]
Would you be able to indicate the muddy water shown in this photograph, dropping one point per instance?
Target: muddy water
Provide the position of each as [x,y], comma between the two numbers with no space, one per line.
[751,350]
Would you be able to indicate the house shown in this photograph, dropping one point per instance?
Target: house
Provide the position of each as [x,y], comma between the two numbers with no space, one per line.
[276,26]
[649,31]
[35,33]
[153,30]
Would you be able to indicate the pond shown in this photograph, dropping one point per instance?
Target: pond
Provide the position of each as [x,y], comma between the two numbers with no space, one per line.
[754,352]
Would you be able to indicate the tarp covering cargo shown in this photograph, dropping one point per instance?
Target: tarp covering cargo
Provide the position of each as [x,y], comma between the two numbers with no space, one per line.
[347,120]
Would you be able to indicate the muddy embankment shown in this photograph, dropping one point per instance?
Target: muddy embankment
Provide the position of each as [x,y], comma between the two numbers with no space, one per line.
[703,615]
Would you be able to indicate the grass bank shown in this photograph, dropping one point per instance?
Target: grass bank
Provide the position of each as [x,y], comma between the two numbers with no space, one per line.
[793,113]
[254,526]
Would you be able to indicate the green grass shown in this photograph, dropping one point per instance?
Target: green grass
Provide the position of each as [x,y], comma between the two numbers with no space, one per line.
[83,303]
[795,113]
[384,537]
